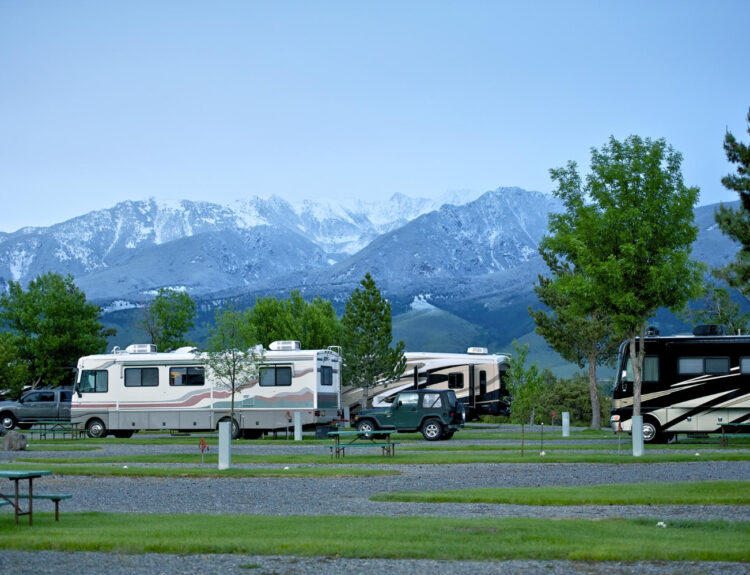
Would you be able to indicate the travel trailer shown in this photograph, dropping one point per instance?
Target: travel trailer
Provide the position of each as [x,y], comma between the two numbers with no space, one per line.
[477,377]
[138,388]
[691,384]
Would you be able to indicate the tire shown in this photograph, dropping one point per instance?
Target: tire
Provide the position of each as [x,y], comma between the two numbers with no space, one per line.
[366,425]
[652,432]
[7,421]
[432,429]
[96,429]
[25,425]
[123,434]
[235,431]
[447,435]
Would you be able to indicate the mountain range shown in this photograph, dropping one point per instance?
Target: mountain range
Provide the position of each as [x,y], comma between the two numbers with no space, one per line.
[458,271]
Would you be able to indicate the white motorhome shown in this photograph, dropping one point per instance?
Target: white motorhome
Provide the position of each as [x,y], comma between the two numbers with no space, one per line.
[139,388]
[477,377]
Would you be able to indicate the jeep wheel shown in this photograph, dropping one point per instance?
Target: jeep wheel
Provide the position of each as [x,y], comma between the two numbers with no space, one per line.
[366,426]
[432,429]
[447,435]
[7,421]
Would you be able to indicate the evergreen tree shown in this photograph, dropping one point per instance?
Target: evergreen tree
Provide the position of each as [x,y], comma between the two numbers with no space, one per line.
[736,223]
[52,325]
[628,230]
[367,335]
[168,318]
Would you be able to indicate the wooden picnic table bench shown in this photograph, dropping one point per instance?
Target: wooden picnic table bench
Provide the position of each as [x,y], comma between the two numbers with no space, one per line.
[368,439]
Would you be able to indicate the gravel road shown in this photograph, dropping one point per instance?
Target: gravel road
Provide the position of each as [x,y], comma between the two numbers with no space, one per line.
[350,496]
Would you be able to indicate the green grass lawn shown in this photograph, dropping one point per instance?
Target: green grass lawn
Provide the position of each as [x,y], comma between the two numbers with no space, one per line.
[688,493]
[385,537]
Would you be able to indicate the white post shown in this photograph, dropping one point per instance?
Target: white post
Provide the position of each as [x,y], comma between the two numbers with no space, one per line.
[225,445]
[637,431]
[347,415]
[297,426]
[566,424]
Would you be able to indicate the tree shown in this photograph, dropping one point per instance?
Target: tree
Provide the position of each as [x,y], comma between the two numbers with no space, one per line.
[367,335]
[314,324]
[736,223]
[525,387]
[579,335]
[52,325]
[14,372]
[629,231]
[718,308]
[168,318]
[232,357]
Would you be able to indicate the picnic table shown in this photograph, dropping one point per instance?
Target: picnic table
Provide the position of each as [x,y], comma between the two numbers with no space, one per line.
[18,476]
[357,439]
[45,428]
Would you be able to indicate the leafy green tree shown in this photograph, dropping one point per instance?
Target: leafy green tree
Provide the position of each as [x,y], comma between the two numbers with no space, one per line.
[525,385]
[736,223]
[14,372]
[232,358]
[52,325]
[367,334]
[314,324]
[572,395]
[629,230]
[718,308]
[580,334]
[168,318]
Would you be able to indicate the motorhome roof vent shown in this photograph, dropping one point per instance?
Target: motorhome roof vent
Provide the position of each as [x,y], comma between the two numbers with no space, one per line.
[141,348]
[284,345]
[709,329]
[652,330]
[477,350]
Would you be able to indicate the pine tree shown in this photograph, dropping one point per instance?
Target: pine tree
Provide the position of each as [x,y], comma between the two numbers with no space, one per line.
[367,333]
[736,223]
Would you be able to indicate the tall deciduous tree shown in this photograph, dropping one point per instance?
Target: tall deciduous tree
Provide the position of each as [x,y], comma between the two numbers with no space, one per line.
[314,324]
[168,318]
[525,386]
[736,223]
[14,371]
[367,334]
[233,359]
[52,325]
[629,230]
[581,338]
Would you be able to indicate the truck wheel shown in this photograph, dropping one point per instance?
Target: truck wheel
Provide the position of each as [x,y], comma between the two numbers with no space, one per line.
[96,429]
[432,429]
[7,421]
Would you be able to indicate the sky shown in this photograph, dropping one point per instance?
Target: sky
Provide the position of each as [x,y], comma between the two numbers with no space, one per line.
[102,102]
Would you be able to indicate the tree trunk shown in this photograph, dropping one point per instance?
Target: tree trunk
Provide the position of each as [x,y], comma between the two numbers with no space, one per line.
[596,407]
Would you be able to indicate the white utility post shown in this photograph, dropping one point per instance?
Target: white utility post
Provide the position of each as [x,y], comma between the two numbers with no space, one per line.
[225,445]
[566,424]
[297,426]
[637,435]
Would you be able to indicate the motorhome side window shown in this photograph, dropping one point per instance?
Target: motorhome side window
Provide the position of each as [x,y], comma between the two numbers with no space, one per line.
[186,376]
[275,376]
[699,365]
[455,381]
[141,377]
[326,375]
[94,381]
[650,370]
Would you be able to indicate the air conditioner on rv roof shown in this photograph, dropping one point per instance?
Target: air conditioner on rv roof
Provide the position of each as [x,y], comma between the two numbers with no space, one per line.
[141,348]
[477,350]
[284,345]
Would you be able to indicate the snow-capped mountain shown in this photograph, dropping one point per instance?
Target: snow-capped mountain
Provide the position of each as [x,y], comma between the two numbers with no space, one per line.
[137,245]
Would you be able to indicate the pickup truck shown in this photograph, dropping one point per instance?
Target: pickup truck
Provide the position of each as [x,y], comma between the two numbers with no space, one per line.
[36,405]
[436,413]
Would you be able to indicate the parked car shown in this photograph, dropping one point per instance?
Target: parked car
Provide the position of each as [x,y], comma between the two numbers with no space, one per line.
[436,413]
[36,405]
